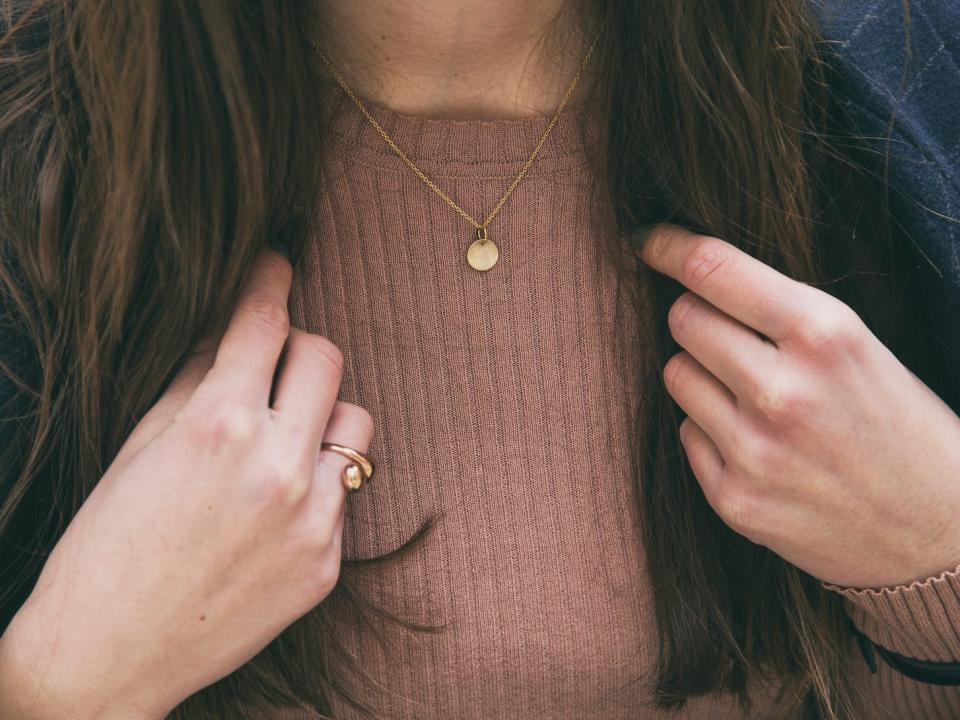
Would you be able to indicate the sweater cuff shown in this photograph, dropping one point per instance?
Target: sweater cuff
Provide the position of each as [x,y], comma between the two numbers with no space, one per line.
[920,620]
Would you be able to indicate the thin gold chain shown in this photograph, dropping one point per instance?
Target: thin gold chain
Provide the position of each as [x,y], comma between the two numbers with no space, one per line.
[422,175]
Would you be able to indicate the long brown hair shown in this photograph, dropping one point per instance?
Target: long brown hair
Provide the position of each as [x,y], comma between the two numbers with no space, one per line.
[148,150]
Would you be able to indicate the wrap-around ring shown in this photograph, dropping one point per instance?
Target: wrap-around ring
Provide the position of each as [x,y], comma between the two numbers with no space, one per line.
[358,472]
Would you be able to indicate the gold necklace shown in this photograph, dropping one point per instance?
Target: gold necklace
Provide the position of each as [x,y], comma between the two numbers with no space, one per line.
[483,252]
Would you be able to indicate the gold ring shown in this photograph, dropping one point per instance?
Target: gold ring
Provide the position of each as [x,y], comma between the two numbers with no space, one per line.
[358,472]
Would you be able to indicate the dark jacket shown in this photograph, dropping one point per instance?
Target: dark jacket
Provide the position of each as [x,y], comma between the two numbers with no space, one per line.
[906,65]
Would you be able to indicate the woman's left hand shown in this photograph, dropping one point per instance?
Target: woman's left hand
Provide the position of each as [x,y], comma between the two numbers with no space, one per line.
[805,432]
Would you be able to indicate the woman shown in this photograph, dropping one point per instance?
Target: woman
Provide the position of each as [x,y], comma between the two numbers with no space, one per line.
[545,534]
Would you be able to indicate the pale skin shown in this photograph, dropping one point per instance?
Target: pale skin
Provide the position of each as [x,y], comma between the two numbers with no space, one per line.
[459,59]
[217,525]
[814,441]
[805,432]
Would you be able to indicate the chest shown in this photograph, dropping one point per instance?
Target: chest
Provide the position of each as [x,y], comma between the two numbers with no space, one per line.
[503,403]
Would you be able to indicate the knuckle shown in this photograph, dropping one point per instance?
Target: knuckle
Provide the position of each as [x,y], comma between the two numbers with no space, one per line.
[754,456]
[325,351]
[226,425]
[706,259]
[831,333]
[285,481]
[680,310]
[676,371]
[781,401]
[268,314]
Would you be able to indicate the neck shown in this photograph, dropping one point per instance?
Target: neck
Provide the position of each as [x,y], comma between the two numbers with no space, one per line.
[466,59]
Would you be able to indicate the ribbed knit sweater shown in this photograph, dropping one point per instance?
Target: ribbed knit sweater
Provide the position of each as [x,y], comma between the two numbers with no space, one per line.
[502,400]
[503,404]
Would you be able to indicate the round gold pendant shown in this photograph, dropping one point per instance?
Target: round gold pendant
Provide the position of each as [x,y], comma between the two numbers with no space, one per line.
[483,252]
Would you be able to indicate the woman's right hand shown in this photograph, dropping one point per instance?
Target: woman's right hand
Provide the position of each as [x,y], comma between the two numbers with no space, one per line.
[217,525]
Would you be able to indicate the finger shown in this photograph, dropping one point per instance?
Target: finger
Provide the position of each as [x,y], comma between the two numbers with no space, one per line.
[728,278]
[732,352]
[247,357]
[192,371]
[195,366]
[704,457]
[702,397]
[307,386]
[351,426]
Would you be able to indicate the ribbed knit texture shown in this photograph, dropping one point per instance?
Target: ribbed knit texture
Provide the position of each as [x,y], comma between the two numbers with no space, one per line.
[503,402]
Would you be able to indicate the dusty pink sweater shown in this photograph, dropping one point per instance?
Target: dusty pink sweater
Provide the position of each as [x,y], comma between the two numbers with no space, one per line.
[502,400]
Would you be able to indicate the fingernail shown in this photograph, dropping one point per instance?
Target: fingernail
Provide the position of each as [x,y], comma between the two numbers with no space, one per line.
[637,236]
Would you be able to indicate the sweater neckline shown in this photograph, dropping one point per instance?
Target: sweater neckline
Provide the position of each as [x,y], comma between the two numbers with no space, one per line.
[444,147]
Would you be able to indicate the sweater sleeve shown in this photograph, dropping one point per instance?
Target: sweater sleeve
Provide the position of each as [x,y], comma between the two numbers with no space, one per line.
[920,620]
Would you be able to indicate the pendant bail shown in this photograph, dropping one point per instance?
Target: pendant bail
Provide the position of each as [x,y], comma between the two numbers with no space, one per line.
[482,234]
